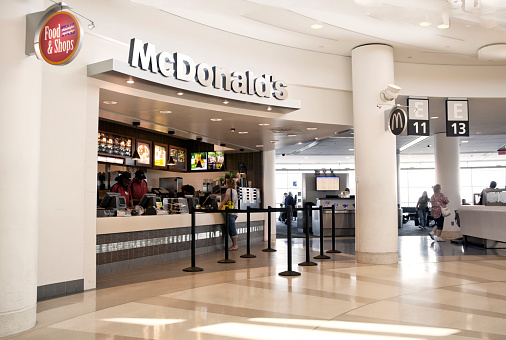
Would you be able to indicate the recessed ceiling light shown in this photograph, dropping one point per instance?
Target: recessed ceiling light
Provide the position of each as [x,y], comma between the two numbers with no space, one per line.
[109,102]
[264,124]
[316,138]
[165,111]
[130,81]
[465,141]
[425,23]
[306,157]
[299,143]
[216,119]
[347,157]
[274,141]
[292,135]
[443,26]
[351,149]
[242,132]
[180,93]
[311,128]
[316,26]
[435,117]
[260,146]
[269,108]
[225,101]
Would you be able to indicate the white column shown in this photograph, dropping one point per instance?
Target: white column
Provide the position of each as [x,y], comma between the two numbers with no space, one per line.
[375,157]
[447,158]
[269,159]
[20,95]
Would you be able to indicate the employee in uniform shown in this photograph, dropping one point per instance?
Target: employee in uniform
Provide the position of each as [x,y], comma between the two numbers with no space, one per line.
[138,187]
[123,187]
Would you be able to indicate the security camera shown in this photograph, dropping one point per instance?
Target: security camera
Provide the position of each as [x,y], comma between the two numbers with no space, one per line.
[390,93]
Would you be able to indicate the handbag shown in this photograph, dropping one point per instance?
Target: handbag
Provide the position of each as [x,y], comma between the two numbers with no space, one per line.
[445,211]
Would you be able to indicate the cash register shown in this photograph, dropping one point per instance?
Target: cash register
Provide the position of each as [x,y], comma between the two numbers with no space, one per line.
[110,204]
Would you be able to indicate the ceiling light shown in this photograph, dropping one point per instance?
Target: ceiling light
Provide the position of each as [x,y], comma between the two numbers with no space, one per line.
[216,119]
[443,26]
[425,24]
[165,112]
[299,143]
[292,135]
[353,133]
[274,141]
[435,117]
[446,21]
[347,157]
[130,81]
[316,26]
[225,102]
[109,102]
[180,93]
[413,142]
[264,124]
[311,128]
[306,157]
[351,149]
[465,141]
[269,108]
[91,25]
[242,132]
[260,146]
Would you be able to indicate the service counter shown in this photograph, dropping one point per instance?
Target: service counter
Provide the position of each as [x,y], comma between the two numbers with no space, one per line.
[126,242]
[484,224]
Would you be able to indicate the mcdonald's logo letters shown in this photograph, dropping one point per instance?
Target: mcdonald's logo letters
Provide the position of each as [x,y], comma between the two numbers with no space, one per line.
[397,121]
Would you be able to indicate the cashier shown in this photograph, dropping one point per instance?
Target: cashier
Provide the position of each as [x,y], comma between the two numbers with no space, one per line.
[122,187]
[138,187]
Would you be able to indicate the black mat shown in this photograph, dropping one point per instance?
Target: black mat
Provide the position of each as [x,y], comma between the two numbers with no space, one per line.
[409,229]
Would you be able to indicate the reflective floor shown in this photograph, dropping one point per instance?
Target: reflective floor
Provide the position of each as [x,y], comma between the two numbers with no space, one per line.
[436,291]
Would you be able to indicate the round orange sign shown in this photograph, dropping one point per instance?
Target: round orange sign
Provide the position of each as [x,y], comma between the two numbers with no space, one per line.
[59,38]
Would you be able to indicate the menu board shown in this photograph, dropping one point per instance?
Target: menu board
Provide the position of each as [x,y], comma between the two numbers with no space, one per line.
[179,157]
[111,144]
[215,160]
[144,150]
[198,161]
[160,156]
[327,183]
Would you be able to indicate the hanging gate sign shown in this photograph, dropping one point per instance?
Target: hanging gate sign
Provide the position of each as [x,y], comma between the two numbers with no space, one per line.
[397,121]
[58,37]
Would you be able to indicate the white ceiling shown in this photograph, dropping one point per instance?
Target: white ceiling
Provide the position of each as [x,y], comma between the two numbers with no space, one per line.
[349,23]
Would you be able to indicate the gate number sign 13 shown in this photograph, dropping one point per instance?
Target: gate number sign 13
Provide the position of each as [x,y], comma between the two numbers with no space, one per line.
[457,118]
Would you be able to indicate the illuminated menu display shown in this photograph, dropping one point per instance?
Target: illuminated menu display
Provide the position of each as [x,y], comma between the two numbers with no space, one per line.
[215,160]
[198,161]
[144,150]
[114,145]
[178,156]
[160,156]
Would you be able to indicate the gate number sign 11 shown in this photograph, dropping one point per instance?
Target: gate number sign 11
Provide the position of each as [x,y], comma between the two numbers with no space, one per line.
[418,117]
[457,118]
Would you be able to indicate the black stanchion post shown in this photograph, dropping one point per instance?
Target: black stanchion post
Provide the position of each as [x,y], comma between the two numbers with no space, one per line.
[248,254]
[321,256]
[269,230]
[333,251]
[308,262]
[227,227]
[193,268]
[289,272]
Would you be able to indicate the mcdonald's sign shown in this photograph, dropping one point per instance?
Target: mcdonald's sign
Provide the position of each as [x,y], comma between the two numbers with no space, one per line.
[397,121]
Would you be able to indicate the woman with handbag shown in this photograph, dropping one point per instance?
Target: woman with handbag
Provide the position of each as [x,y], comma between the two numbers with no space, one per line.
[231,201]
[438,211]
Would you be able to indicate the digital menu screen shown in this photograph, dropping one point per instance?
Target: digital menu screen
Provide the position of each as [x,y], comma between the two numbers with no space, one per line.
[198,161]
[160,159]
[114,145]
[178,157]
[215,160]
[144,150]
[327,183]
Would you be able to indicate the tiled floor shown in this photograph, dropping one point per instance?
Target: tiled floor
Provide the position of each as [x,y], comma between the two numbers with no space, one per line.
[437,291]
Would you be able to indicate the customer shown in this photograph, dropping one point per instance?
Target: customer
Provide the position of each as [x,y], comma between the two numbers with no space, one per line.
[138,187]
[231,196]
[282,215]
[493,184]
[437,201]
[289,201]
[423,210]
[122,187]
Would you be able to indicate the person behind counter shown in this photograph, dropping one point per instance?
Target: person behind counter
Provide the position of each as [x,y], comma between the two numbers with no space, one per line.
[493,184]
[138,186]
[231,195]
[122,187]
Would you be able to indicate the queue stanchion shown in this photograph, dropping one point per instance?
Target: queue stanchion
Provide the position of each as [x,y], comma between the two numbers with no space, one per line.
[321,256]
[308,262]
[227,227]
[193,267]
[289,272]
[333,250]
[269,230]
[248,254]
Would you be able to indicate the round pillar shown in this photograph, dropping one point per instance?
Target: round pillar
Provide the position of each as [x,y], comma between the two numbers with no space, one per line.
[269,192]
[447,158]
[20,95]
[375,157]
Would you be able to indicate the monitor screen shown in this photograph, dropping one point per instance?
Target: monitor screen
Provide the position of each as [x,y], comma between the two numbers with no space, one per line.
[327,183]
[148,200]
[216,160]
[109,200]
[198,161]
